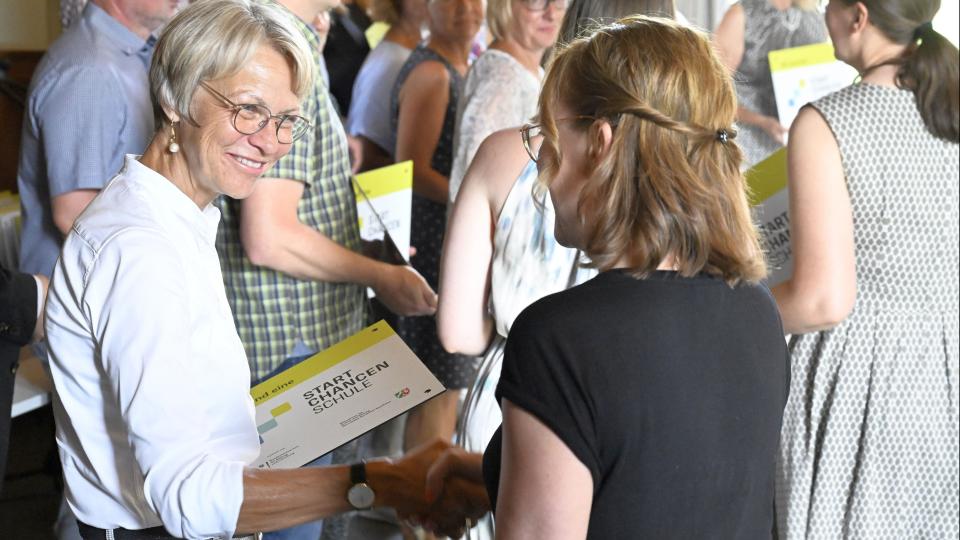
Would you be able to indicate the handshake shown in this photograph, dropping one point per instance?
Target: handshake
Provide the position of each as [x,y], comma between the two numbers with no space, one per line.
[437,486]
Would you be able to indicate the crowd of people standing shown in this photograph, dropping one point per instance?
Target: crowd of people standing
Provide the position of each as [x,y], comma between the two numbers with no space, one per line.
[616,364]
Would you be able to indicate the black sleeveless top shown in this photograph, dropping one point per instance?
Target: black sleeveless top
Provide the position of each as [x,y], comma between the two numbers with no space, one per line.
[442,160]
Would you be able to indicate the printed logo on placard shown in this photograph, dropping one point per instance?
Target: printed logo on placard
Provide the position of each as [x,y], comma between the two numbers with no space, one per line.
[402,393]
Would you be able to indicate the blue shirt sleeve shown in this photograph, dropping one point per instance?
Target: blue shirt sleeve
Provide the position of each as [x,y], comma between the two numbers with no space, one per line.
[80,114]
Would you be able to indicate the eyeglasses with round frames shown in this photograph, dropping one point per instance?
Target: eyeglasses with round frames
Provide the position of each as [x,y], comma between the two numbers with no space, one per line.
[250,118]
[542,5]
[532,136]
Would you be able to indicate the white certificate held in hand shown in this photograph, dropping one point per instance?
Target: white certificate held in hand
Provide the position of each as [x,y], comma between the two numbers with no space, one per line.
[384,199]
[337,395]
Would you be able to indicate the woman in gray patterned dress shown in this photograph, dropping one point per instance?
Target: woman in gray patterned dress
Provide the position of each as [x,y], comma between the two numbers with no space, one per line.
[870,433]
[748,32]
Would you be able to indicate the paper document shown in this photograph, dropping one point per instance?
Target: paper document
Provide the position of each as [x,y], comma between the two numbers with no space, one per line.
[384,204]
[375,33]
[804,74]
[770,201]
[337,395]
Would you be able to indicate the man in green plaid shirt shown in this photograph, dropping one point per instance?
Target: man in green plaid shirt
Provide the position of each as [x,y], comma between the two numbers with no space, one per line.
[290,252]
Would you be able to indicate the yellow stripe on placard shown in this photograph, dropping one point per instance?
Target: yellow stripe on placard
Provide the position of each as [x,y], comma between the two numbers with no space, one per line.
[322,361]
[386,180]
[286,407]
[794,57]
[768,177]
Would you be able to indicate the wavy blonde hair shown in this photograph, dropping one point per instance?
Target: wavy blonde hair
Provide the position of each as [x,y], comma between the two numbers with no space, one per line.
[499,18]
[670,185]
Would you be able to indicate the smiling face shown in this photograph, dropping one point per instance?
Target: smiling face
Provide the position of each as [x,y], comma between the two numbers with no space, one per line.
[219,158]
[535,29]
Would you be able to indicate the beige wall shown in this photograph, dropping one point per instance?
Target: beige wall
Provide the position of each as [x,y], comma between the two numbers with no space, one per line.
[28,25]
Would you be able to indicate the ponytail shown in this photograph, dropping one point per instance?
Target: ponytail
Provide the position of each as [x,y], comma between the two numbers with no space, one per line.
[930,67]
[932,71]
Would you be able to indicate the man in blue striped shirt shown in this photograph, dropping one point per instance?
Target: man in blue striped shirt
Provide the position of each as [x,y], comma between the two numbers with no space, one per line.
[88,105]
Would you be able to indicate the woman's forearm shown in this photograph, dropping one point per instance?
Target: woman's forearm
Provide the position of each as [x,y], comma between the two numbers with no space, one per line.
[431,185]
[805,311]
[749,116]
[277,499]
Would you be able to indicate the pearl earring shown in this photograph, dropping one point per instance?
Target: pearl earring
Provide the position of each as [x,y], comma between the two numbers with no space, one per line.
[172,145]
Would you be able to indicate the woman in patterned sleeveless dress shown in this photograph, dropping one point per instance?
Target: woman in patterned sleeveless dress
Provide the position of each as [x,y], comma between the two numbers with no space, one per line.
[424,109]
[869,446]
[502,86]
[748,32]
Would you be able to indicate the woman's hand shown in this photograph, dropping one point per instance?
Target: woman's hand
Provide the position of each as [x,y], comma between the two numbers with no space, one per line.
[455,489]
[459,507]
[404,291]
[455,462]
[772,127]
[401,484]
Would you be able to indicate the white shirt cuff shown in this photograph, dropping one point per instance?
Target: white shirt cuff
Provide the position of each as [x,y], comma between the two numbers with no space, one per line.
[40,296]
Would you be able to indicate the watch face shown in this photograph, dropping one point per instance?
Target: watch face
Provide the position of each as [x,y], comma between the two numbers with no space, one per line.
[360,496]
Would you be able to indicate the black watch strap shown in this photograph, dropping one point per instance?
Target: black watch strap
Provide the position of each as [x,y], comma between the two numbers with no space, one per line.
[358,473]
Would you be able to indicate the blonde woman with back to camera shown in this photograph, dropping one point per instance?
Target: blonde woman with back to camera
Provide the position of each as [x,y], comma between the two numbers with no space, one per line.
[488,278]
[646,402]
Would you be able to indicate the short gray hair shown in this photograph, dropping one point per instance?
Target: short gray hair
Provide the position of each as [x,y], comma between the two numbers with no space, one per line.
[212,39]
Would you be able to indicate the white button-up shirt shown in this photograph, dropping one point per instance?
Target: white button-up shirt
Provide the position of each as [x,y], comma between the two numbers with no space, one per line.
[155,422]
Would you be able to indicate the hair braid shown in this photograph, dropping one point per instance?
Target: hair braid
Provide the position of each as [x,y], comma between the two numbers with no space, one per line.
[692,130]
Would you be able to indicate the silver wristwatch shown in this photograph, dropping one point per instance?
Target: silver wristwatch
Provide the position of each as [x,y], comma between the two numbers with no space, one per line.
[360,495]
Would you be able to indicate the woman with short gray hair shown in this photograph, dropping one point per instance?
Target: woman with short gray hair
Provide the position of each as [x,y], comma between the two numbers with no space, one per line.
[155,422]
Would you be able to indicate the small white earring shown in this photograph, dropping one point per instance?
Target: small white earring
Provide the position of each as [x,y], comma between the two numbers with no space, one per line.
[172,145]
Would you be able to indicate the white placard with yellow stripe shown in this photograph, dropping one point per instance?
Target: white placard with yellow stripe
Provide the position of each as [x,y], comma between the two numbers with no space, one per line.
[337,395]
[803,74]
[387,191]
[771,202]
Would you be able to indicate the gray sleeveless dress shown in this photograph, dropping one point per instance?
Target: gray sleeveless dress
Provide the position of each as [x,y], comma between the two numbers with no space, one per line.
[869,447]
[768,29]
